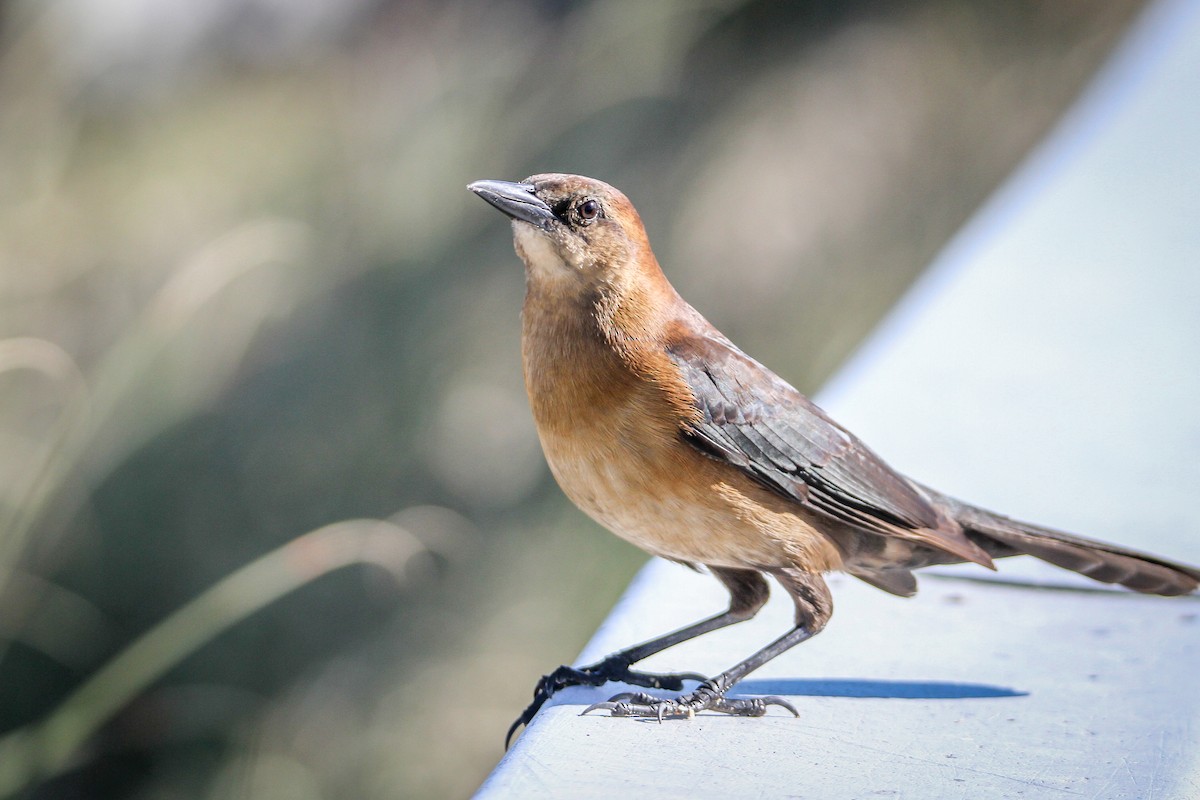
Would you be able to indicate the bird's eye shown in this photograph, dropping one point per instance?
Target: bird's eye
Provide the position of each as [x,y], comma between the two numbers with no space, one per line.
[589,210]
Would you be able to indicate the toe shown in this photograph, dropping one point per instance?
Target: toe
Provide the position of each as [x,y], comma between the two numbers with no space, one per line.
[776,700]
[607,705]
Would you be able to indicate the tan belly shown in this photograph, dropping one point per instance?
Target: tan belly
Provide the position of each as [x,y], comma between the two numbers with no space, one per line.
[674,502]
[611,437]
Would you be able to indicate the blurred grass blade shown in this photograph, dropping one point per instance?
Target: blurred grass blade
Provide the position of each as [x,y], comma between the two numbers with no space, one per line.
[63,625]
[42,750]
[126,405]
[129,405]
[31,493]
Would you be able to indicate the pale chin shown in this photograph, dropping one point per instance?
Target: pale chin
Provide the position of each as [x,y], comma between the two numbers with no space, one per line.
[538,252]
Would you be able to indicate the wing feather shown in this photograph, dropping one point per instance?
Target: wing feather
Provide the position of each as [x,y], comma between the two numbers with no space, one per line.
[755,421]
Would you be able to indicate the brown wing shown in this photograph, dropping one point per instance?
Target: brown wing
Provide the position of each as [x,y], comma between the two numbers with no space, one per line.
[755,421]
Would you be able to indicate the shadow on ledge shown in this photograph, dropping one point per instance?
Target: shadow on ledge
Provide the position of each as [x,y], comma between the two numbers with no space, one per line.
[852,687]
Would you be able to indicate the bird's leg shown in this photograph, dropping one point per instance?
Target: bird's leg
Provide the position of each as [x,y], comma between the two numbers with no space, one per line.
[616,668]
[813,609]
[748,592]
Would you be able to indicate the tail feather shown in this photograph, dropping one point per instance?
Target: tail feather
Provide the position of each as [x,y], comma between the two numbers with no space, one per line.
[1101,561]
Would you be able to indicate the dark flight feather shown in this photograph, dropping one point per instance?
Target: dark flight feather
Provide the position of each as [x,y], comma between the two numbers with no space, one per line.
[755,421]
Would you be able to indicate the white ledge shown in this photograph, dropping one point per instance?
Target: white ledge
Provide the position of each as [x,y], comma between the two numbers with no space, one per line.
[1047,366]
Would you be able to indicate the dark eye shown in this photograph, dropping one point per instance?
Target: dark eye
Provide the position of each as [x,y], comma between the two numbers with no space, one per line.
[589,210]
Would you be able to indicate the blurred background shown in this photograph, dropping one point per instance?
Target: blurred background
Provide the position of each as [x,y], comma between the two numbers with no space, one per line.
[273,517]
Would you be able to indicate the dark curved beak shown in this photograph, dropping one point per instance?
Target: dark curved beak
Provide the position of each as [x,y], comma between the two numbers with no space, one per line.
[517,200]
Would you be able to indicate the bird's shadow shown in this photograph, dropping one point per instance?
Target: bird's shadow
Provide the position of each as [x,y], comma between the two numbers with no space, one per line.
[822,687]
[858,687]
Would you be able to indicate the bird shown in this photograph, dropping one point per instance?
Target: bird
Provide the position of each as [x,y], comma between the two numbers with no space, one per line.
[663,431]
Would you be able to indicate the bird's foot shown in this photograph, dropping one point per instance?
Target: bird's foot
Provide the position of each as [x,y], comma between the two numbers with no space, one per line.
[612,668]
[706,698]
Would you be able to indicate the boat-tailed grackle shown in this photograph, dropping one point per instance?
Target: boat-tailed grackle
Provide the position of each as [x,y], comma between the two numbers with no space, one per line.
[663,431]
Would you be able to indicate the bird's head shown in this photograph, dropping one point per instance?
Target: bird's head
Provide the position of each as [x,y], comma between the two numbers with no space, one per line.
[572,232]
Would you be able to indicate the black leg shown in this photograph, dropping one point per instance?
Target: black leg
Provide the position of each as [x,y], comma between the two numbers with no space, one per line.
[813,609]
[748,593]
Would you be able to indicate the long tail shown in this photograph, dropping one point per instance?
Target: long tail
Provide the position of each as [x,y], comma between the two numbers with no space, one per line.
[1002,537]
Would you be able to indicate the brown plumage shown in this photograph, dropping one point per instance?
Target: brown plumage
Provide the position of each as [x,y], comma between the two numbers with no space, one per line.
[662,430]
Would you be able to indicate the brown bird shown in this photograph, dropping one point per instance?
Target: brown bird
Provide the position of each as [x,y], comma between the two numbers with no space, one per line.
[663,431]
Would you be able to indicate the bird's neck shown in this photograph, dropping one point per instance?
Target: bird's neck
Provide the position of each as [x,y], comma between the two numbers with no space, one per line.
[587,349]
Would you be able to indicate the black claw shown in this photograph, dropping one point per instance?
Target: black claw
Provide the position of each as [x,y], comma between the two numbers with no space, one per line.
[610,669]
[518,722]
[545,689]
